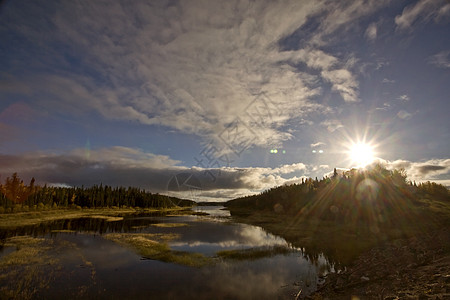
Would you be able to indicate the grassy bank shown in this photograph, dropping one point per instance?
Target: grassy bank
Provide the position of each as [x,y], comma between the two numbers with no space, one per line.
[11,220]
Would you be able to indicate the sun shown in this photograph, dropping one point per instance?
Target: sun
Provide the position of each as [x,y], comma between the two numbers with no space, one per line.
[361,154]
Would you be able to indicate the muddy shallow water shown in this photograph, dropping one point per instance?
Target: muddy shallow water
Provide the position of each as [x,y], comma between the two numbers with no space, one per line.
[74,259]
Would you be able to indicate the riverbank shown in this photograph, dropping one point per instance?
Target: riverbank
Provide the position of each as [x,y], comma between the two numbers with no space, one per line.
[11,220]
[414,268]
[342,243]
[410,261]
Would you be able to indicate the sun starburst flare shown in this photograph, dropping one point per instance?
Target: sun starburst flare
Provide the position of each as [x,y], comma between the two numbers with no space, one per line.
[361,154]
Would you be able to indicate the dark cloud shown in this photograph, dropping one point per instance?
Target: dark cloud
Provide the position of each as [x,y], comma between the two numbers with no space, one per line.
[430,168]
[122,166]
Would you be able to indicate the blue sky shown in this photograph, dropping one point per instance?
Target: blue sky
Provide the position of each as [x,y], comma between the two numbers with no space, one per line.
[191,98]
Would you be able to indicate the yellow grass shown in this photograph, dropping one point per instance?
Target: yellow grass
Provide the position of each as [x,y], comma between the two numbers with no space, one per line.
[11,220]
[154,246]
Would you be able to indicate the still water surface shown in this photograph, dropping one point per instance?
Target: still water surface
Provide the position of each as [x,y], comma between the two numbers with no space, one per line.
[90,266]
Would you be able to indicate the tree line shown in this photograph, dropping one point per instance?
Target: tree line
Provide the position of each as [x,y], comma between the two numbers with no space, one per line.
[357,195]
[15,195]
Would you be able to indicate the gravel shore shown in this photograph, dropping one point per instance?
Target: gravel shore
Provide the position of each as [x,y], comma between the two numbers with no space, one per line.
[414,268]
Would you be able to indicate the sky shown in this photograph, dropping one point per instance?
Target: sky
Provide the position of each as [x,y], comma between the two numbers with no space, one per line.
[212,100]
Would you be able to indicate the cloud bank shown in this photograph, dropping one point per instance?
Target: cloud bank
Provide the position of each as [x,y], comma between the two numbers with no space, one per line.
[123,166]
[432,169]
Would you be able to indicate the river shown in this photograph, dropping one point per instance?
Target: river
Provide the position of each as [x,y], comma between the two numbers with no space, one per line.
[79,261]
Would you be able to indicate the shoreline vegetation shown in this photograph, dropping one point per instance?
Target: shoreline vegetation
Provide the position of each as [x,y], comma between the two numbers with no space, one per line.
[22,204]
[16,196]
[18,219]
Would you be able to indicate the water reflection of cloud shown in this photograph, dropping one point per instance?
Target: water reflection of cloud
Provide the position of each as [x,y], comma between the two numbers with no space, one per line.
[105,254]
[248,283]
[271,278]
[240,236]
[214,211]
[256,236]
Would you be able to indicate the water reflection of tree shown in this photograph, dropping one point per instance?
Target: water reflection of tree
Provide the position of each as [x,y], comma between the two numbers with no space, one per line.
[79,225]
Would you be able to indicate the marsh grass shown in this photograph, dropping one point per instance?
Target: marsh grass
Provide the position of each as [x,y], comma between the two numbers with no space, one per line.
[34,267]
[139,227]
[12,220]
[107,218]
[155,247]
[253,253]
[28,250]
[26,270]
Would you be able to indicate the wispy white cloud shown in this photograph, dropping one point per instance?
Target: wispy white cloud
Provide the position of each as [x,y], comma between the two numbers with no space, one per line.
[404,115]
[344,83]
[191,66]
[332,125]
[385,106]
[371,32]
[444,13]
[341,16]
[317,144]
[441,59]
[332,71]
[386,80]
[423,10]
[404,98]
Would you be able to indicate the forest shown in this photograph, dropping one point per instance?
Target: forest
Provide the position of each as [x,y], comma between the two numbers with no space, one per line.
[358,195]
[17,196]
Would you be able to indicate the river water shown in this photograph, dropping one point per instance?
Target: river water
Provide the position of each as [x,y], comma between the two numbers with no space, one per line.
[84,264]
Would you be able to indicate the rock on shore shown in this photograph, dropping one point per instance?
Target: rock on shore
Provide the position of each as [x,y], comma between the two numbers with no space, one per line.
[414,268]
